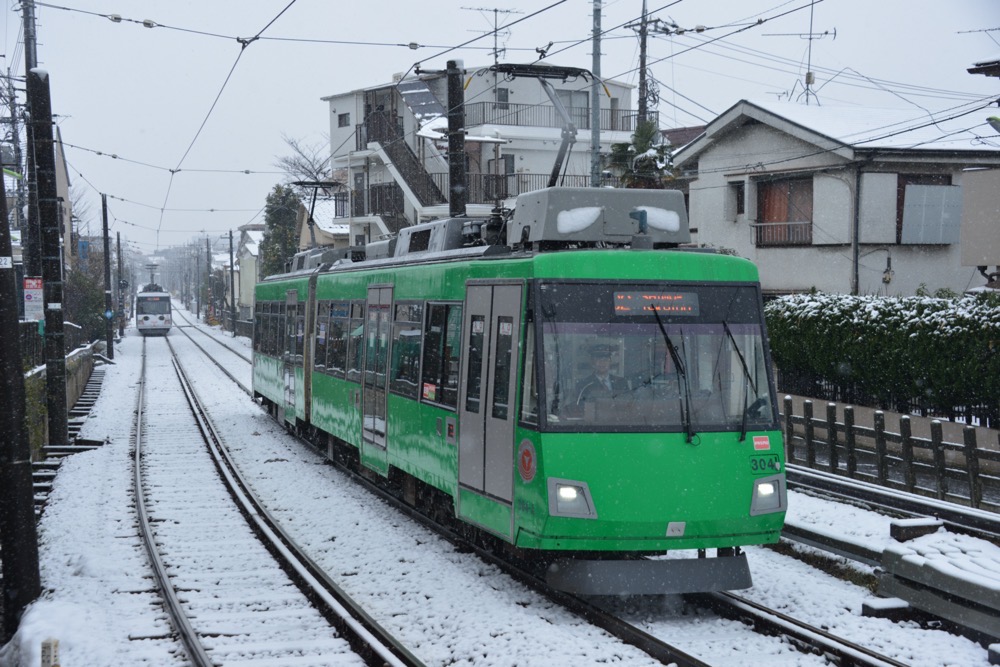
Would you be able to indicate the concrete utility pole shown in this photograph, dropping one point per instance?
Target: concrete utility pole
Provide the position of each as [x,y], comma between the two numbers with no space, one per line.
[458,193]
[232,284]
[595,102]
[208,277]
[48,214]
[18,538]
[109,312]
[31,238]
[15,133]
[121,289]
[643,89]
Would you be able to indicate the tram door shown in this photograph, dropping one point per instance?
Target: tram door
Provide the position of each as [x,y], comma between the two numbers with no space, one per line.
[373,404]
[290,352]
[487,413]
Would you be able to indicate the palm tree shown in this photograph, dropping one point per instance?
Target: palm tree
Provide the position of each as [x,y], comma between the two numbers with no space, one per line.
[645,163]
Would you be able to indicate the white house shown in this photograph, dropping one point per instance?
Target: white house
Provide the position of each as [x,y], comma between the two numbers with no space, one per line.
[841,199]
[390,140]
[329,227]
[248,268]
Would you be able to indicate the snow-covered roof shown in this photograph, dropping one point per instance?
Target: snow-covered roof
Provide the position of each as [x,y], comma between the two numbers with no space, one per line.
[867,127]
[325,217]
[860,128]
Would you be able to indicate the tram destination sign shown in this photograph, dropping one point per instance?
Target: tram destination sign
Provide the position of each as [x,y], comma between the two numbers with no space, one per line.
[646,303]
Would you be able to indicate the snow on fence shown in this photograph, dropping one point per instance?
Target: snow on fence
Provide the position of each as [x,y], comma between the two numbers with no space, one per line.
[963,473]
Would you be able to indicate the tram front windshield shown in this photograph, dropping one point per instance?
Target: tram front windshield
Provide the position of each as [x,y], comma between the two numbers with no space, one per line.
[660,357]
[156,305]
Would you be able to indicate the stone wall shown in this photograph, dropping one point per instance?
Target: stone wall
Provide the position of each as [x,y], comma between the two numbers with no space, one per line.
[79,365]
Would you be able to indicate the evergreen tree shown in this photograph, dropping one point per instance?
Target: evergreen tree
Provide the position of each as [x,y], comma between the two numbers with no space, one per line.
[644,163]
[279,243]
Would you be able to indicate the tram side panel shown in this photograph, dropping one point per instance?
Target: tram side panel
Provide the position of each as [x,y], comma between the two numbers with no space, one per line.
[647,491]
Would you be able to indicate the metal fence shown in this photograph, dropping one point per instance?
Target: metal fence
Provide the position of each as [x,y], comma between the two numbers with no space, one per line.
[807,384]
[964,473]
[33,343]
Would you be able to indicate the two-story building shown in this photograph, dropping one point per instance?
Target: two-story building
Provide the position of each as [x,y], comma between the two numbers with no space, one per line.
[391,142]
[840,199]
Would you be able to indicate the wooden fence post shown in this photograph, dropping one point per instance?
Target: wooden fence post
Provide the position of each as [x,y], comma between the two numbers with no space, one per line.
[849,441]
[789,431]
[807,410]
[937,445]
[972,466]
[831,435]
[906,436]
[881,454]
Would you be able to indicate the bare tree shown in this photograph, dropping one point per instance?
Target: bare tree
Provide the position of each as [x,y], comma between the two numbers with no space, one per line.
[308,162]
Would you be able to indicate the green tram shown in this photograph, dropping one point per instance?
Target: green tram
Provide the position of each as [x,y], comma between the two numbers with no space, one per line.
[590,396]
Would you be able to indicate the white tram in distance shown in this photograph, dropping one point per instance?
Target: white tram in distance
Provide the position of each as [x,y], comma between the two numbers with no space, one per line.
[152,311]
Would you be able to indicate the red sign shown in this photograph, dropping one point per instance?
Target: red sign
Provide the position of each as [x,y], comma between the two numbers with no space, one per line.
[761,442]
[526,460]
[34,306]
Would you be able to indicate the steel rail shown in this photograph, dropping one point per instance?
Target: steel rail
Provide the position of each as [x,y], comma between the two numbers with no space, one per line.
[178,617]
[376,644]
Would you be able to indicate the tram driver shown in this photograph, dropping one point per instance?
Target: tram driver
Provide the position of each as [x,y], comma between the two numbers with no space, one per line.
[601,383]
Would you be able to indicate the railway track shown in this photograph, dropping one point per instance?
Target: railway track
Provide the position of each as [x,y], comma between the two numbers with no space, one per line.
[229,597]
[735,617]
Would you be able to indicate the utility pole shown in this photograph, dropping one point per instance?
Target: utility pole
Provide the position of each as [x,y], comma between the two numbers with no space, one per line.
[232,284]
[109,312]
[458,193]
[197,287]
[48,213]
[595,102]
[121,289]
[643,90]
[208,277]
[18,537]
[15,133]
[31,238]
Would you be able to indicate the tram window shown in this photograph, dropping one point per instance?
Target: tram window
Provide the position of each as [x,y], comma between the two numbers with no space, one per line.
[322,327]
[280,335]
[501,367]
[529,389]
[406,330]
[474,381]
[442,341]
[355,337]
[336,346]
[300,330]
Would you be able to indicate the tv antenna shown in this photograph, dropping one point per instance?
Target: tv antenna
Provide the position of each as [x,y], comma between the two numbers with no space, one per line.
[811,36]
[496,27]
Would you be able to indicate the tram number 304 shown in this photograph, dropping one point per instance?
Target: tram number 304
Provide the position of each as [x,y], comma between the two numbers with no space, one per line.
[765,463]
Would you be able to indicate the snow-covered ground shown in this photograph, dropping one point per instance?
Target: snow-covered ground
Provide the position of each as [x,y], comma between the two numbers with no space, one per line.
[450,608]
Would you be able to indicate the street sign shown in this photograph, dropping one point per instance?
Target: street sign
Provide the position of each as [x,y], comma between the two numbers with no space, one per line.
[34,300]
[108,314]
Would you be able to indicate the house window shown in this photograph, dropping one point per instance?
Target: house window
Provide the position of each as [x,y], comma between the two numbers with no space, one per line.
[577,103]
[503,98]
[736,200]
[784,212]
[904,180]
[343,120]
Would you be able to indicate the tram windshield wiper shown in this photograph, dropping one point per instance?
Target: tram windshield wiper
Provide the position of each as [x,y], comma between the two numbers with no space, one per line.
[747,380]
[682,373]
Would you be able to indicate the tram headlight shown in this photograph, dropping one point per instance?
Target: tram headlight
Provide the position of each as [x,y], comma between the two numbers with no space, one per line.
[570,498]
[768,495]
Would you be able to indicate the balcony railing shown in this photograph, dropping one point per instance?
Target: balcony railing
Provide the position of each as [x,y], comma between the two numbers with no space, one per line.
[782,233]
[387,199]
[488,188]
[543,115]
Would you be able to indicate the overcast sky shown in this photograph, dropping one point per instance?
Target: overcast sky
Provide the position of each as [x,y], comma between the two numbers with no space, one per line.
[187,108]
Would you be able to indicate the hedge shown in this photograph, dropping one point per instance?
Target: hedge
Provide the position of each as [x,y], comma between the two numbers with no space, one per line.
[941,353]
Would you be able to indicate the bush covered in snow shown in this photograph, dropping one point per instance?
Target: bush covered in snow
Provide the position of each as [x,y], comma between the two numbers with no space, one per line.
[944,352]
